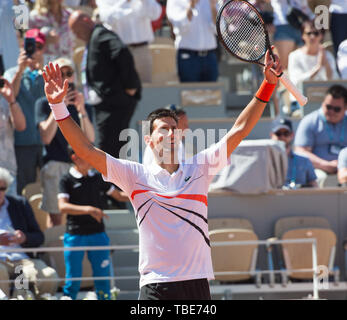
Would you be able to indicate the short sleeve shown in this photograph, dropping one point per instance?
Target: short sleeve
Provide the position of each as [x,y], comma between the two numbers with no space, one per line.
[304,136]
[64,190]
[123,173]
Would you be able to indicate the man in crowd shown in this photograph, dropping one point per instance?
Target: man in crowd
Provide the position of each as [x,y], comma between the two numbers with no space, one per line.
[193,23]
[110,80]
[19,229]
[300,171]
[323,133]
[26,79]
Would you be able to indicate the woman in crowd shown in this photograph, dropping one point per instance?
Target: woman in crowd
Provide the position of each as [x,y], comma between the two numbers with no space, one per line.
[51,17]
[312,61]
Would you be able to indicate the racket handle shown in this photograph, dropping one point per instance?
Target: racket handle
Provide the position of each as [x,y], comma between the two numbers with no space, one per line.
[293,90]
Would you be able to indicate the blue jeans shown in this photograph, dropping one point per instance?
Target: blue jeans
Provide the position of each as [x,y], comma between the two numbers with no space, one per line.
[99,259]
[286,32]
[196,67]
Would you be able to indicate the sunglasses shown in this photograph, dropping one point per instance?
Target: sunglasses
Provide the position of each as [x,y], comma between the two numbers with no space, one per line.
[333,108]
[283,133]
[67,74]
[3,188]
[313,33]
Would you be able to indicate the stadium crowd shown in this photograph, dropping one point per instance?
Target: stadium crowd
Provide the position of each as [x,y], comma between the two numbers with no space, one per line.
[85,37]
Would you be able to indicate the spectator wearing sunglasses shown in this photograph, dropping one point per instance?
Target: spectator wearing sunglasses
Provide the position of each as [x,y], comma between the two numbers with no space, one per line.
[56,160]
[322,134]
[300,172]
[311,61]
[27,82]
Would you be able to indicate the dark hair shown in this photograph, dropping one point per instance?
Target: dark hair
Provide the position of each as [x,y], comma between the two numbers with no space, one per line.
[312,25]
[338,92]
[158,114]
[177,109]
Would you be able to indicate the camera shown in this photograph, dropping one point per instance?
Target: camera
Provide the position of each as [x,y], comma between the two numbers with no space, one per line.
[71,87]
[29,46]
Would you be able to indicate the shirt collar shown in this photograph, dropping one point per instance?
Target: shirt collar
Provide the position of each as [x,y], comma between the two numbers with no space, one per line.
[156,169]
[78,175]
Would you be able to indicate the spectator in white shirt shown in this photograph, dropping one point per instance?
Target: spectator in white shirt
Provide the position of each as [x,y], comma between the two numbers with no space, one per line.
[131,20]
[311,61]
[193,23]
[342,59]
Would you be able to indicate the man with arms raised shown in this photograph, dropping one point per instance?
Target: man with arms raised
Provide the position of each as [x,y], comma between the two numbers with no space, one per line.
[169,198]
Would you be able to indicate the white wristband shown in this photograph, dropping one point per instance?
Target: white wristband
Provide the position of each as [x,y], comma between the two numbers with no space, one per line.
[60,111]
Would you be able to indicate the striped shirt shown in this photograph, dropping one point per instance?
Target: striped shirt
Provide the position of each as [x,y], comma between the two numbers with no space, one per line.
[171,214]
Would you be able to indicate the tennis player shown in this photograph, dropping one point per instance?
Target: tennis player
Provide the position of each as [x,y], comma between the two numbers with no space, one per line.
[169,198]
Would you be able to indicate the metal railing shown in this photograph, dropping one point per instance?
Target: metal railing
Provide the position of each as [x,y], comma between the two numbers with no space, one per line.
[314,268]
[214,244]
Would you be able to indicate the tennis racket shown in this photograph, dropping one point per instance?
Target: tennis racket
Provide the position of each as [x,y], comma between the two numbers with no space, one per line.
[242,32]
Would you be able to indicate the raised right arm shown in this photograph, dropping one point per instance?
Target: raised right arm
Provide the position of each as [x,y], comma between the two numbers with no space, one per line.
[55,91]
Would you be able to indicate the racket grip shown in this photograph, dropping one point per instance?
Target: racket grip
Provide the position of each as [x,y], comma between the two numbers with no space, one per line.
[293,90]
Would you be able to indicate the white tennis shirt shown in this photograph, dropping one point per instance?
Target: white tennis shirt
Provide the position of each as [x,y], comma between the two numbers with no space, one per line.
[171,214]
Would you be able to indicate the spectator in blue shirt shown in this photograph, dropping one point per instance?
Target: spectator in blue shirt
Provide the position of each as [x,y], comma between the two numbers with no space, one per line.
[342,167]
[323,133]
[27,82]
[300,171]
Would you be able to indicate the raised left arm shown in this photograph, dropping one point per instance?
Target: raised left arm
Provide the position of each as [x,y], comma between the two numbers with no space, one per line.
[251,114]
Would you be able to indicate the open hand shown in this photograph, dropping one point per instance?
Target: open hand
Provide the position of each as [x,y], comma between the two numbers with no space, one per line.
[55,89]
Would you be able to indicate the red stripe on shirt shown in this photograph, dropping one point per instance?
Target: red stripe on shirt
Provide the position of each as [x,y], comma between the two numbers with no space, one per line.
[197,197]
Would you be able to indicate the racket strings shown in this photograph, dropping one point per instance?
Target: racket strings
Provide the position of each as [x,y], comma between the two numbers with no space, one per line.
[242,31]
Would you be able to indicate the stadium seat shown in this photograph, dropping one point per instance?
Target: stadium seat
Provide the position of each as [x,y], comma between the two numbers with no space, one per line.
[40,215]
[299,256]
[231,223]
[233,258]
[30,189]
[164,40]
[164,63]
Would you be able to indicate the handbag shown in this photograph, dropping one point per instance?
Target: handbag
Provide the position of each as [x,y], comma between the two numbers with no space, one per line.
[296,17]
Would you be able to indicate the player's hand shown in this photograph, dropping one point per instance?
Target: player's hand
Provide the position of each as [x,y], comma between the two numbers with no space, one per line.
[55,89]
[272,68]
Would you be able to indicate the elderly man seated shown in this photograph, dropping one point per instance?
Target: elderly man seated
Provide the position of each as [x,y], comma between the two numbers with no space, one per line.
[19,229]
